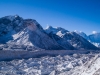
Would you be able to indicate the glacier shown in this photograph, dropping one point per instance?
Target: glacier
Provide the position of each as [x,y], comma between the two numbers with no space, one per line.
[66,64]
[28,49]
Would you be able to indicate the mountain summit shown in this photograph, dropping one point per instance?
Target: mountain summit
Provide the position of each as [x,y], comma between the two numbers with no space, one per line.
[94,38]
[69,39]
[18,31]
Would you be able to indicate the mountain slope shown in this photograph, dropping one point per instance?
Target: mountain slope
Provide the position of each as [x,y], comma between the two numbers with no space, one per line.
[93,38]
[57,34]
[82,34]
[71,38]
[25,31]
[15,30]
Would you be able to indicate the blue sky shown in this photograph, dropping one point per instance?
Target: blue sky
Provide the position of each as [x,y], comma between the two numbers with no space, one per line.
[81,15]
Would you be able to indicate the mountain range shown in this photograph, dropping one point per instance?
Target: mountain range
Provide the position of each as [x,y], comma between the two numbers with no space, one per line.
[94,38]
[14,30]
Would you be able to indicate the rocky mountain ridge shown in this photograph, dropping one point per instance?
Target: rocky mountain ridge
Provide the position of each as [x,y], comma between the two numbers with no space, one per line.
[15,30]
[94,38]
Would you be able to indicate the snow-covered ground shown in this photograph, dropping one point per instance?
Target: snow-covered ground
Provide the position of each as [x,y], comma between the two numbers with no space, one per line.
[45,63]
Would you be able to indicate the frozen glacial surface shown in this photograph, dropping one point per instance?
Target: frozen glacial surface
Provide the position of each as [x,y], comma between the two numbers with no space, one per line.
[74,64]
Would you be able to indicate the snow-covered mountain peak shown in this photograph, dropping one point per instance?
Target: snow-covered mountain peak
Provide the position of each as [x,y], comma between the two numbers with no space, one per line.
[12,17]
[16,30]
[50,29]
[16,23]
[94,38]
[81,34]
[94,32]
[78,31]
[25,32]
[69,39]
[62,29]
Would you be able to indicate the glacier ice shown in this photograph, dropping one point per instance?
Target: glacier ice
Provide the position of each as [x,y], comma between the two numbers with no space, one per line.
[76,64]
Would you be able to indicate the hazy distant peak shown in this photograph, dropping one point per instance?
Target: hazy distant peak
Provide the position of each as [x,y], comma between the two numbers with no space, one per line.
[49,27]
[78,31]
[94,32]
